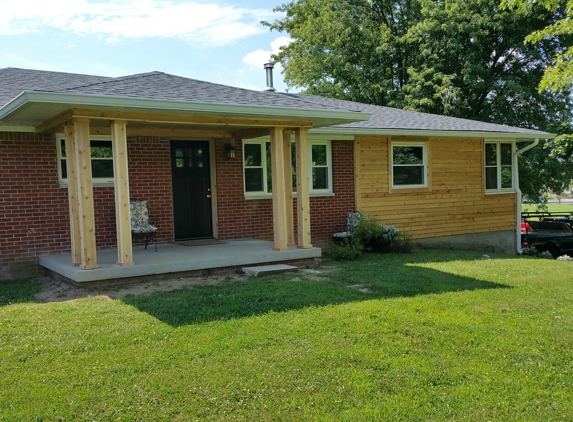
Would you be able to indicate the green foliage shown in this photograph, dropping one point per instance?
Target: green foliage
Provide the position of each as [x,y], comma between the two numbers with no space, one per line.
[349,249]
[429,336]
[547,167]
[457,58]
[402,243]
[371,229]
[558,76]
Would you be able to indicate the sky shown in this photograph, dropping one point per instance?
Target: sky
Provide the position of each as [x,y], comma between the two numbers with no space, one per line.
[219,41]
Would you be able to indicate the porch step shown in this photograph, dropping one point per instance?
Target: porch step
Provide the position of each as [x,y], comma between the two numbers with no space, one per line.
[269,269]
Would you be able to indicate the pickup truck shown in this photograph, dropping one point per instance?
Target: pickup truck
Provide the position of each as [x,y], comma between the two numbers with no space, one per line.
[553,235]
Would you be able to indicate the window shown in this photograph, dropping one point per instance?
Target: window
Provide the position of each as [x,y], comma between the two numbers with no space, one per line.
[498,167]
[258,172]
[409,165]
[320,166]
[102,160]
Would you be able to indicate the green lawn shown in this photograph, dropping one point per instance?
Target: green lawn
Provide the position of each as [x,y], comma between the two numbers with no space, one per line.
[551,207]
[432,336]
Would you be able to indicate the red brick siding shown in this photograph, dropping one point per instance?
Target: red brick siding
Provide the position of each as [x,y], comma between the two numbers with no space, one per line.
[240,217]
[34,216]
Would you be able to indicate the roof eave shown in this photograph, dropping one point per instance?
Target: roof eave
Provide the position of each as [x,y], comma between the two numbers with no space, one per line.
[431,133]
[89,100]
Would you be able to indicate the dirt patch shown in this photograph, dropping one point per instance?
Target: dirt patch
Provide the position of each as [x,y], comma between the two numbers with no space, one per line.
[60,291]
[360,287]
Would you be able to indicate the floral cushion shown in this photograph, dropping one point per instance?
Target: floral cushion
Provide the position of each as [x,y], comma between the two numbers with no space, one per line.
[140,218]
[143,228]
[352,221]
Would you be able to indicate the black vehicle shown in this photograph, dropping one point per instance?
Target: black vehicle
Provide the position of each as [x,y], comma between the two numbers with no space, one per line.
[549,235]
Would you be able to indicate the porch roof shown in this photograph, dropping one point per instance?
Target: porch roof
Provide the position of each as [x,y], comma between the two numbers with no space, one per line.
[41,96]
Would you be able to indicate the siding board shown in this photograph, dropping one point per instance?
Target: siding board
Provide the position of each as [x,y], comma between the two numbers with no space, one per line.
[454,203]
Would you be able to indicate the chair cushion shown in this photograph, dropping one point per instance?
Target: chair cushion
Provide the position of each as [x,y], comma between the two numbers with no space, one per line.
[143,228]
[352,221]
[139,213]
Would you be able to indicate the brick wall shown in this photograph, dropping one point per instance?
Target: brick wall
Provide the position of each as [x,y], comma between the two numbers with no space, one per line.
[34,217]
[239,218]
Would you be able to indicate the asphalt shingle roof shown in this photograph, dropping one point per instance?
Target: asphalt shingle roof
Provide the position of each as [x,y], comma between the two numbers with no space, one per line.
[14,81]
[162,86]
[397,119]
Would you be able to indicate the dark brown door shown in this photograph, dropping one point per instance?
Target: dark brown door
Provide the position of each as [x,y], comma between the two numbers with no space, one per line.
[191,190]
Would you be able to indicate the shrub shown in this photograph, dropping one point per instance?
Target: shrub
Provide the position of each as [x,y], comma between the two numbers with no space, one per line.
[402,243]
[349,250]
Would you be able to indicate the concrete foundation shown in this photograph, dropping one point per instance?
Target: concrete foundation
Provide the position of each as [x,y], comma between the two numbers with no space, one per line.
[502,241]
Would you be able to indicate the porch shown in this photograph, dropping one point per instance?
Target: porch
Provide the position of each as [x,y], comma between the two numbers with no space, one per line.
[175,258]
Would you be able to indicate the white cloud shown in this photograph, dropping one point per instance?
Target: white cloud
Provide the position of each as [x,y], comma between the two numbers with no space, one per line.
[259,57]
[204,25]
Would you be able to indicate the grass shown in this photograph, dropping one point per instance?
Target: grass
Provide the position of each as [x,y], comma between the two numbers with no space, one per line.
[550,207]
[426,336]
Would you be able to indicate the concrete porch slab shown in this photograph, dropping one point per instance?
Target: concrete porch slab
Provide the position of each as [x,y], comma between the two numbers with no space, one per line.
[174,258]
[269,269]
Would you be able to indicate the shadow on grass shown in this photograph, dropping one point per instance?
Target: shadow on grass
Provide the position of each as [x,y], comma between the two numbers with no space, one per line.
[18,291]
[351,282]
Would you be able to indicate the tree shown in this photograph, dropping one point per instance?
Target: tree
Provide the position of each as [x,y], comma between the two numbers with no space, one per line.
[457,58]
[559,75]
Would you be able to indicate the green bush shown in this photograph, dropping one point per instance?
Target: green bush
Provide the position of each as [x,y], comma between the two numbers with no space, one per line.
[349,250]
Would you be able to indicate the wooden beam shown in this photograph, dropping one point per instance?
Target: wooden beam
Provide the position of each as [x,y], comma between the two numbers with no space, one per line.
[85,193]
[188,120]
[74,207]
[279,194]
[121,185]
[54,122]
[250,133]
[168,133]
[288,187]
[303,188]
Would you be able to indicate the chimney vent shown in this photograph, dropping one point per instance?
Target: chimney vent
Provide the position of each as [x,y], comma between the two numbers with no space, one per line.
[269,68]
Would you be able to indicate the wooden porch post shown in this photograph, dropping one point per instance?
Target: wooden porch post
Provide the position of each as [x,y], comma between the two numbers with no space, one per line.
[121,185]
[279,190]
[302,188]
[72,194]
[84,182]
[288,187]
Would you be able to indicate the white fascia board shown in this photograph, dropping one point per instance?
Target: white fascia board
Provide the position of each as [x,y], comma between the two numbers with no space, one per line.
[90,100]
[339,133]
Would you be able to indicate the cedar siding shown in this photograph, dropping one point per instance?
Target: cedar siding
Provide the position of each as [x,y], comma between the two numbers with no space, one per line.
[454,202]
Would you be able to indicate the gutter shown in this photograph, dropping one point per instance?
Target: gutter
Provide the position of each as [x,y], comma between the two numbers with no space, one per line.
[91,100]
[518,191]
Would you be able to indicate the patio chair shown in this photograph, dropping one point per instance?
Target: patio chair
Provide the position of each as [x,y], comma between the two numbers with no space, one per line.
[352,220]
[140,225]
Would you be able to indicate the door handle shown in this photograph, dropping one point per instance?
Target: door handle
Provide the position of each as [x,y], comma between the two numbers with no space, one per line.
[208,196]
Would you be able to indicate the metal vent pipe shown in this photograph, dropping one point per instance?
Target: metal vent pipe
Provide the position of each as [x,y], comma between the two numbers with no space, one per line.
[269,68]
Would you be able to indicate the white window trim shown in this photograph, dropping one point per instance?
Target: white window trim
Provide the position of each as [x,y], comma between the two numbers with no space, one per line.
[498,165]
[424,145]
[328,170]
[313,192]
[97,181]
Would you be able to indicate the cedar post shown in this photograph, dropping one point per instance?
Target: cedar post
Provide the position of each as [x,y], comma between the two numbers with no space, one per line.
[279,190]
[84,183]
[302,188]
[121,185]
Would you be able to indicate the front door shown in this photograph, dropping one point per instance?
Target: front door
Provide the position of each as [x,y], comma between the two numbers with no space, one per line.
[191,189]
